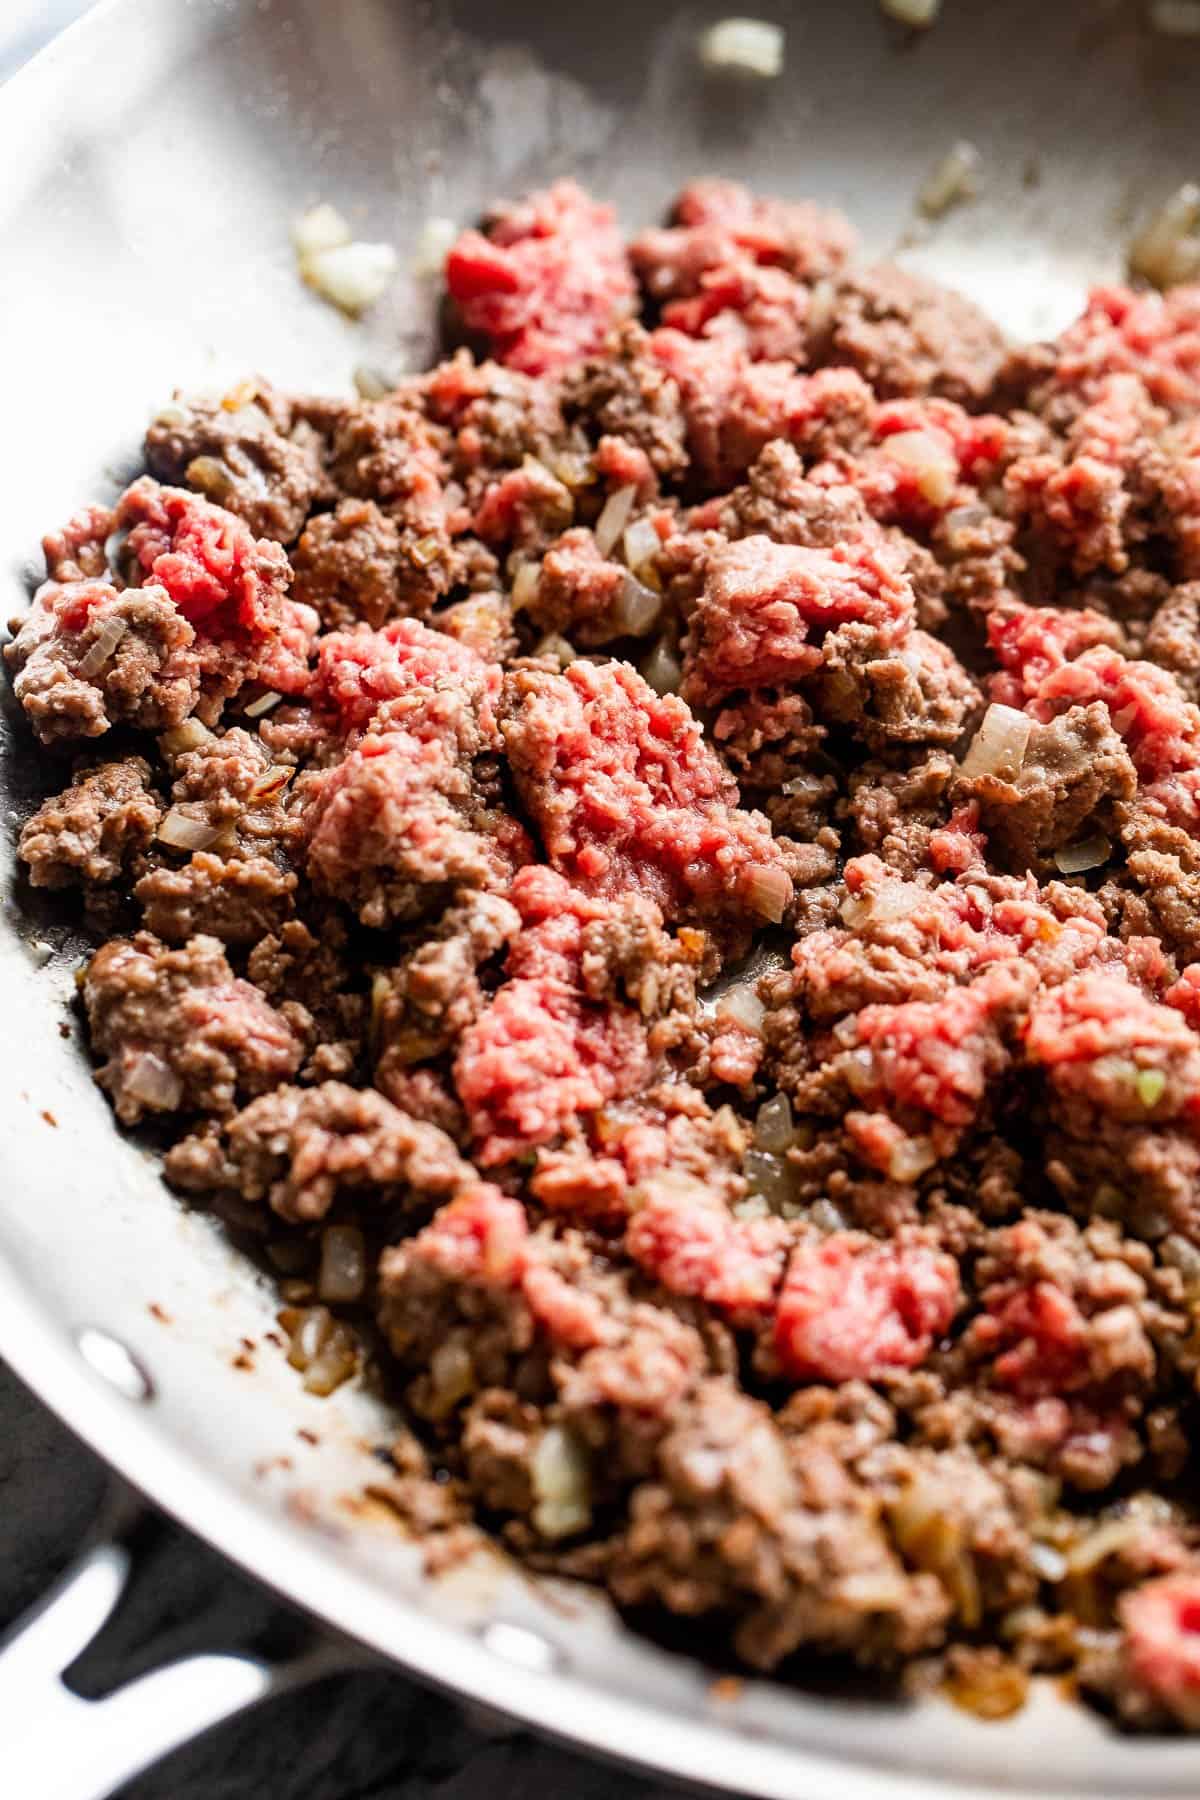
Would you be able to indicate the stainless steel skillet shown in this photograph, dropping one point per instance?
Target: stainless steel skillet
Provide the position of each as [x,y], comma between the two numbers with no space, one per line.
[152,161]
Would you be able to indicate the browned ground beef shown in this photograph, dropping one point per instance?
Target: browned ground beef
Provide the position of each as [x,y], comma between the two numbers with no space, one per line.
[462,738]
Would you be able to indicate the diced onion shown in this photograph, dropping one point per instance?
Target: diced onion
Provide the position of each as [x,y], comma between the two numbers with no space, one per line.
[214,477]
[1090,853]
[433,246]
[1167,249]
[742,1005]
[263,704]
[773,1126]
[892,899]
[1050,1563]
[637,609]
[910,1158]
[641,543]
[183,832]
[451,1377]
[525,585]
[1151,1085]
[573,469]
[614,518]
[371,383]
[111,633]
[662,669]
[320,1347]
[754,46]
[918,13]
[768,892]
[173,413]
[561,1484]
[1111,1536]
[955,179]
[153,1082]
[343,1272]
[352,276]
[932,462]
[188,736]
[558,647]
[320,228]
[1175,18]
[999,746]
[272,783]
[822,302]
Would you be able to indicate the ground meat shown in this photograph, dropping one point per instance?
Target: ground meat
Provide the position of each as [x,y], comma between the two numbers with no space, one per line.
[626,796]
[303,1149]
[845,1307]
[87,657]
[1072,767]
[252,452]
[239,901]
[177,1031]
[548,280]
[908,335]
[92,833]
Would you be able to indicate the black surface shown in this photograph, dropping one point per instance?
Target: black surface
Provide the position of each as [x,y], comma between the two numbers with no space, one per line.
[368,1736]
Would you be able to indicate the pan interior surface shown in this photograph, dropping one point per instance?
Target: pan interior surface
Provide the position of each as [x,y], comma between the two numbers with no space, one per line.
[154,159]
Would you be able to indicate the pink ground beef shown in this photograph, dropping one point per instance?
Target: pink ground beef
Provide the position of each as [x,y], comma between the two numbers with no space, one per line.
[466,736]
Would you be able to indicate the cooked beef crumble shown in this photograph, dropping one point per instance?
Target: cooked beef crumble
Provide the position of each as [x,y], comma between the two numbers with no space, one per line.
[732,603]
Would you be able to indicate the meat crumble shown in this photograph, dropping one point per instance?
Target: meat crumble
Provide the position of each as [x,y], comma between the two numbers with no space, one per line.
[661,860]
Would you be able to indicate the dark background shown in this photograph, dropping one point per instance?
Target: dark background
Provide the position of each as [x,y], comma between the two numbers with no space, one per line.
[368,1736]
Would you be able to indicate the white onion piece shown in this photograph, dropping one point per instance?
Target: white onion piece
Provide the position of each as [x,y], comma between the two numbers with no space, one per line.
[892,899]
[351,276]
[768,892]
[753,46]
[999,746]
[1091,853]
[1175,18]
[918,13]
[182,832]
[558,647]
[525,585]
[188,736]
[152,1082]
[955,179]
[641,543]
[910,1158]
[320,228]
[742,1006]
[370,383]
[263,704]
[614,518]
[343,1272]
[662,670]
[1050,1563]
[822,302]
[637,608]
[773,1126]
[561,1484]
[1167,249]
[932,462]
[433,246]
[111,633]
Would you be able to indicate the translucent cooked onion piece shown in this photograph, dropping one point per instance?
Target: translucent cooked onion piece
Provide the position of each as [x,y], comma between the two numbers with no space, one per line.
[263,704]
[752,46]
[324,1351]
[954,180]
[919,14]
[767,893]
[637,609]
[351,276]
[641,544]
[742,1005]
[613,518]
[343,1271]
[1089,853]
[999,746]
[1167,249]
[188,736]
[525,585]
[553,644]
[662,669]
[153,1083]
[184,832]
[561,1484]
[773,1126]
[433,246]
[111,633]
[320,228]
[931,462]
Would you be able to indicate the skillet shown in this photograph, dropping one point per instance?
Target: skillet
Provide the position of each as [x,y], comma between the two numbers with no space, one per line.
[153,160]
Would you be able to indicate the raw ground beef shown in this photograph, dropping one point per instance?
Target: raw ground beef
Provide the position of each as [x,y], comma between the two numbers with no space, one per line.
[663,864]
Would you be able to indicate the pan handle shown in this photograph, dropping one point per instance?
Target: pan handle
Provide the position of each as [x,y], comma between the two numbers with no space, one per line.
[60,1747]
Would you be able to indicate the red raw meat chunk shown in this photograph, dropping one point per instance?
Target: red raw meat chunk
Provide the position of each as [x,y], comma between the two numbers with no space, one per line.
[627,796]
[763,310]
[1154,336]
[1107,1043]
[537,1058]
[1046,1337]
[282,663]
[480,1235]
[926,456]
[224,581]
[734,407]
[852,1309]
[1161,1620]
[721,223]
[766,607]
[940,1055]
[686,1238]
[548,281]
[359,671]
[1031,642]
